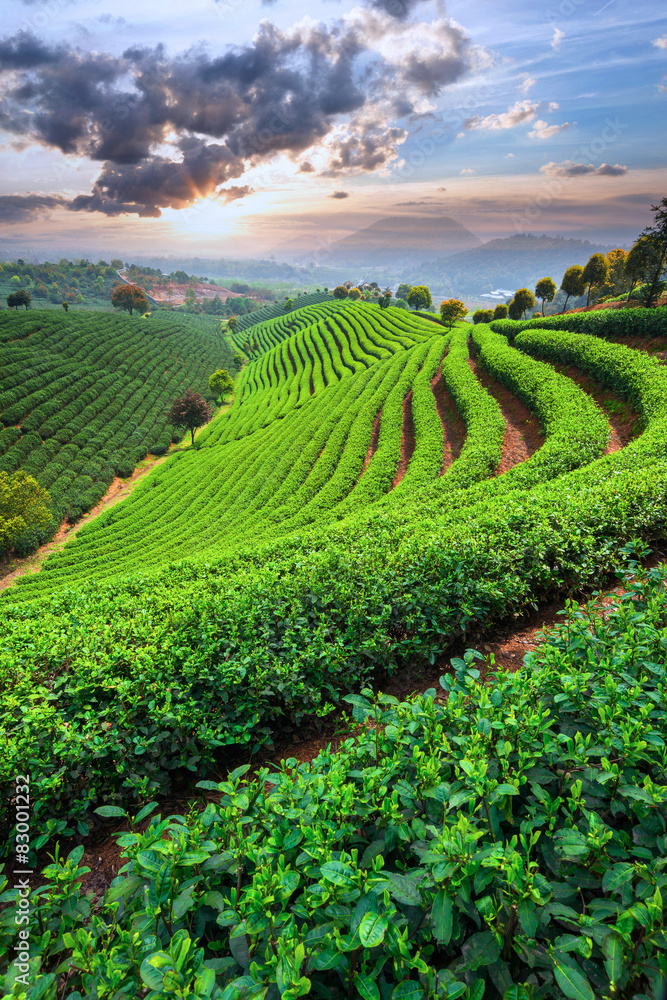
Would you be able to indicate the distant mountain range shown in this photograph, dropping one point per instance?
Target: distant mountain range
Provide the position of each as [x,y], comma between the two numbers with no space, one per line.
[442,253]
[397,240]
[512,262]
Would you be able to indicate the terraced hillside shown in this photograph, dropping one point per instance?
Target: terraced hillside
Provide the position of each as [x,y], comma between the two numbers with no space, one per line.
[84,397]
[380,489]
[257,316]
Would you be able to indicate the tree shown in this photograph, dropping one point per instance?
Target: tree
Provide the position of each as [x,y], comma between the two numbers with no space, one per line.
[385,300]
[500,312]
[655,238]
[514,309]
[221,383]
[129,297]
[452,310]
[617,281]
[545,290]
[573,283]
[190,411]
[289,305]
[66,306]
[15,280]
[482,316]
[354,294]
[23,507]
[340,292]
[524,299]
[595,272]
[232,324]
[17,299]
[419,297]
[402,291]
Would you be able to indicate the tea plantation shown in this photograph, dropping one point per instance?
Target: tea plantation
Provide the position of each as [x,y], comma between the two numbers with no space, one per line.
[84,396]
[505,840]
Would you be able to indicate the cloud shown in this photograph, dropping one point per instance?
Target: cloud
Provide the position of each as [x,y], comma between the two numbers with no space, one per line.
[27,207]
[527,84]
[170,130]
[522,111]
[660,43]
[509,156]
[442,189]
[340,194]
[570,169]
[557,39]
[542,130]
[467,170]
[553,106]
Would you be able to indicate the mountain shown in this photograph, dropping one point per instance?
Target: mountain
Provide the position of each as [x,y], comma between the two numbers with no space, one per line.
[395,240]
[512,262]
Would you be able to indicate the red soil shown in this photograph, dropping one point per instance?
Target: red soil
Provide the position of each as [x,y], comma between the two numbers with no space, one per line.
[453,427]
[373,446]
[407,440]
[522,431]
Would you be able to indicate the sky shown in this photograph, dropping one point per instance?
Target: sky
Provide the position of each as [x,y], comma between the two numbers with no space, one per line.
[229,127]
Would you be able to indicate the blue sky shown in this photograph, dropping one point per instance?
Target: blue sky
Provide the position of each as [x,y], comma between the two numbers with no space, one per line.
[255,122]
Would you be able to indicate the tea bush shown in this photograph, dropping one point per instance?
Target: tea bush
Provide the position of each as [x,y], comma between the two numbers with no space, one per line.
[507,841]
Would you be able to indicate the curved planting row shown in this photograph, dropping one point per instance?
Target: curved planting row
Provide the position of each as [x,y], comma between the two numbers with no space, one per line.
[84,397]
[269,574]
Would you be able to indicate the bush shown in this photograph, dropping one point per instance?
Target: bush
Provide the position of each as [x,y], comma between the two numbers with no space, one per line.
[507,841]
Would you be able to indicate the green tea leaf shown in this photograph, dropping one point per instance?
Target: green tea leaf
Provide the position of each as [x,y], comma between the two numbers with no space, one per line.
[408,990]
[338,873]
[372,929]
[442,917]
[573,983]
[616,877]
[613,952]
[366,988]
[108,811]
[481,949]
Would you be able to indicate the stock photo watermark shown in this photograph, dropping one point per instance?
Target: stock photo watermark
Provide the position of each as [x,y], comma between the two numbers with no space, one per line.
[21,873]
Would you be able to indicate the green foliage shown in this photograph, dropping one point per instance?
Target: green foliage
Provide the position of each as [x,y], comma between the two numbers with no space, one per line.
[507,841]
[221,383]
[23,508]
[340,292]
[22,298]
[90,393]
[545,291]
[501,311]
[599,323]
[523,300]
[419,297]
[595,272]
[483,316]
[573,284]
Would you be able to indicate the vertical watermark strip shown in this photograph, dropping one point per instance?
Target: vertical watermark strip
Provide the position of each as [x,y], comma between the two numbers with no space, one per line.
[22,884]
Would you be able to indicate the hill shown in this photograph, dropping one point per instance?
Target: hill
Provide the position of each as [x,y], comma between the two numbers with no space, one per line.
[83,396]
[512,262]
[399,241]
[380,490]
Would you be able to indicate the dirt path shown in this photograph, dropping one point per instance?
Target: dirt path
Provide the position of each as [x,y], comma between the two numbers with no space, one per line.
[373,446]
[453,427]
[625,422]
[408,440]
[522,431]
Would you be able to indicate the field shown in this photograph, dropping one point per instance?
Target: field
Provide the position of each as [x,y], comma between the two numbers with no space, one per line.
[360,510]
[83,397]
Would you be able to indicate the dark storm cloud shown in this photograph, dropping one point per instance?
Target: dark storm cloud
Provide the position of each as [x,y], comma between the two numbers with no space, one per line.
[26,207]
[169,130]
[340,194]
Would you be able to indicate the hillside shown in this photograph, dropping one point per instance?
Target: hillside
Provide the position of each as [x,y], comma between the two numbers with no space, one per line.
[380,491]
[83,396]
[512,262]
[399,241]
